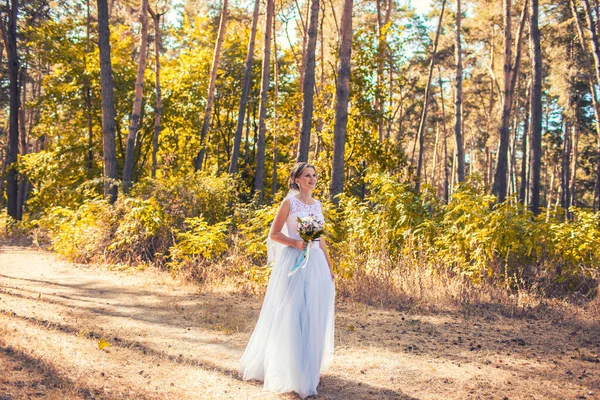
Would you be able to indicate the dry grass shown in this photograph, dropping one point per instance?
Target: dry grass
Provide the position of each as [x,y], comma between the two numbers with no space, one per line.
[173,340]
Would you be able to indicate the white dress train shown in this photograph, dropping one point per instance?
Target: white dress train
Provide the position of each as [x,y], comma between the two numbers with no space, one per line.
[293,338]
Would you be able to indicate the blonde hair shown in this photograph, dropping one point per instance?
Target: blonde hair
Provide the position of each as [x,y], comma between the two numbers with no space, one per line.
[295,173]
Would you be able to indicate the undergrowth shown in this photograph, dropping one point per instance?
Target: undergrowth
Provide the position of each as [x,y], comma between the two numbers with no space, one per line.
[394,247]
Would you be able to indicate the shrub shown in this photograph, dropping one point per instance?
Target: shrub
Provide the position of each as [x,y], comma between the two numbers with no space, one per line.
[198,243]
[142,230]
[188,196]
[83,234]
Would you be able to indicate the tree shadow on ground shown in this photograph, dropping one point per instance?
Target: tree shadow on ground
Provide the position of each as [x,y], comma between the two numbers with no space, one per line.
[25,376]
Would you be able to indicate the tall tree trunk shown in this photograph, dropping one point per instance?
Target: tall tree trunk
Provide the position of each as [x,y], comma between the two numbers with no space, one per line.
[88,93]
[575,155]
[422,124]
[158,108]
[246,84]
[262,114]
[524,148]
[551,191]
[499,187]
[342,93]
[446,174]
[23,142]
[137,101]
[434,159]
[9,33]
[565,174]
[275,107]
[211,87]
[536,109]
[309,83]
[596,53]
[382,21]
[458,137]
[108,104]
[592,86]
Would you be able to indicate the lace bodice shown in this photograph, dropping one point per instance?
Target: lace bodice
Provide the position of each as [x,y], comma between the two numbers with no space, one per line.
[299,209]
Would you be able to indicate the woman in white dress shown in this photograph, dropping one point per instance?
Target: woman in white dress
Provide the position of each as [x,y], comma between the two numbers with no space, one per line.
[293,338]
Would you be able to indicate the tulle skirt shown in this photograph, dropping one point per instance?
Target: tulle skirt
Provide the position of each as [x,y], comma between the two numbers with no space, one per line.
[293,338]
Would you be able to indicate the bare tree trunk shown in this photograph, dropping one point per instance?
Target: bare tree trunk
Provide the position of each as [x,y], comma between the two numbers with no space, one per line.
[575,154]
[423,122]
[536,109]
[596,54]
[453,174]
[158,108]
[524,149]
[309,83]
[246,84]
[211,87]
[88,94]
[592,87]
[565,167]
[262,114]
[434,159]
[23,142]
[458,137]
[446,177]
[499,187]
[382,20]
[9,33]
[137,101]
[341,103]
[275,108]
[551,192]
[108,104]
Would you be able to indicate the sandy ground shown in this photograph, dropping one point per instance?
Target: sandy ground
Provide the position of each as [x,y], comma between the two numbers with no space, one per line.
[167,340]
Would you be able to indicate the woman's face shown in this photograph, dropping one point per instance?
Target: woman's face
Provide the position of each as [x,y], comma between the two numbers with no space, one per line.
[307,178]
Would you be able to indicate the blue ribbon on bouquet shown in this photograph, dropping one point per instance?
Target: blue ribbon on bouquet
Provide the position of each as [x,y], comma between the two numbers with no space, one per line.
[303,260]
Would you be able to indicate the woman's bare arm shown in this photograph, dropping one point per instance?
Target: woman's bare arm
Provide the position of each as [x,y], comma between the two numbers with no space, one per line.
[276,234]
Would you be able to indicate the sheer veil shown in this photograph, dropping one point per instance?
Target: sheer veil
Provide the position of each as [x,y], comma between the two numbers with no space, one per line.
[272,246]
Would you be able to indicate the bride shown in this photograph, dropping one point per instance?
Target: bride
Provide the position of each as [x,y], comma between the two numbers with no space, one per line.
[293,338]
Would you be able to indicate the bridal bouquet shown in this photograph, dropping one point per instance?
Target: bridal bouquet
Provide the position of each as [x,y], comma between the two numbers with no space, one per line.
[309,228]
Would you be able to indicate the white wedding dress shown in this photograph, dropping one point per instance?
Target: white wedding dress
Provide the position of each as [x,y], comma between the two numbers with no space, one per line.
[293,338]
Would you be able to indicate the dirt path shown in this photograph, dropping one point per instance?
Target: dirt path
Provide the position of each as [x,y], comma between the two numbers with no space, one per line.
[168,340]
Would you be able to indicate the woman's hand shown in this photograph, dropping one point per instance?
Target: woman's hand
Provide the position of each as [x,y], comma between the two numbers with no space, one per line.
[300,244]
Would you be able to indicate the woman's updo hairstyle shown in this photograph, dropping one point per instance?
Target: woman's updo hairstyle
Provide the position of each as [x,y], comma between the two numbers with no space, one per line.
[296,172]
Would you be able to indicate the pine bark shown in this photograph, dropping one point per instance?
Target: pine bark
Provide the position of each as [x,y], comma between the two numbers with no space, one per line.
[596,54]
[262,113]
[9,33]
[422,124]
[458,137]
[341,103]
[88,94]
[108,104]
[383,19]
[158,109]
[275,108]
[587,65]
[499,186]
[308,87]
[211,87]
[535,109]
[524,149]
[565,174]
[574,165]
[137,101]
[246,84]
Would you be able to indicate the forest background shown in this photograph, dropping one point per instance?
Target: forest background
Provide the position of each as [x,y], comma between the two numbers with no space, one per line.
[458,152]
